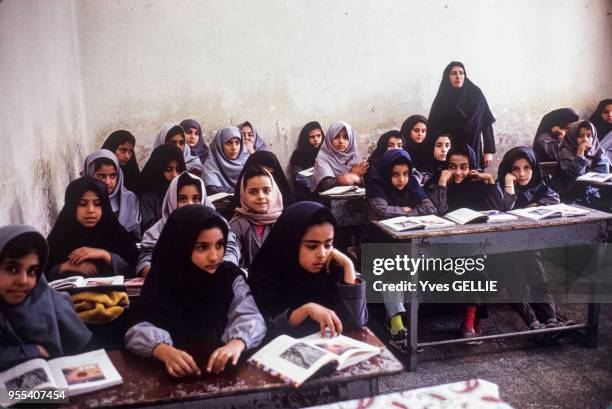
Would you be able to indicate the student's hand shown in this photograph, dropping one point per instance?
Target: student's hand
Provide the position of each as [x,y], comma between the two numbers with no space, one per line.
[326,318]
[219,358]
[249,145]
[560,132]
[145,271]
[348,179]
[488,159]
[487,178]
[407,209]
[88,253]
[345,262]
[509,181]
[445,176]
[583,147]
[85,268]
[360,168]
[42,351]
[178,363]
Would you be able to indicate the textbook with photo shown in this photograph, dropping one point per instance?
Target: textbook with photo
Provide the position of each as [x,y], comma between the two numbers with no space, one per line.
[340,190]
[79,374]
[307,172]
[406,223]
[219,196]
[81,283]
[296,360]
[496,216]
[595,177]
[546,212]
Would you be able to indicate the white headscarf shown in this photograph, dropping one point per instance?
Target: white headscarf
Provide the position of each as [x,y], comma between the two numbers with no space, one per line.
[192,162]
[219,170]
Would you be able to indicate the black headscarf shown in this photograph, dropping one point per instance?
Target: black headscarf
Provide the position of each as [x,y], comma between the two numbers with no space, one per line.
[418,151]
[68,234]
[536,188]
[200,149]
[276,278]
[433,165]
[559,117]
[152,176]
[379,184]
[305,154]
[131,173]
[269,160]
[603,127]
[190,303]
[463,112]
[471,194]
[382,145]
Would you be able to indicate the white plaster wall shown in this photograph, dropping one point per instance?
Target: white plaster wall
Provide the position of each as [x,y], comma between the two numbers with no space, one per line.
[371,63]
[277,63]
[42,119]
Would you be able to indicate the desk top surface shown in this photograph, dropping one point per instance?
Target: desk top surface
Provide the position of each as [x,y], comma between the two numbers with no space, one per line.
[607,183]
[519,224]
[146,381]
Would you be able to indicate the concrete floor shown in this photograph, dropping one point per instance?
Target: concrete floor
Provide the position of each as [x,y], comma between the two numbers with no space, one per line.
[564,374]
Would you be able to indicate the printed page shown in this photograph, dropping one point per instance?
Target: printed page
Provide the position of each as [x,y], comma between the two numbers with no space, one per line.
[464,215]
[433,222]
[69,282]
[495,216]
[307,172]
[33,374]
[294,360]
[103,281]
[402,223]
[338,190]
[219,196]
[85,372]
[349,351]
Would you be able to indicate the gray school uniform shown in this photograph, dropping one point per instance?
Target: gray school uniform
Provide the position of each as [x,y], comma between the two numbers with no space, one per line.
[248,239]
[244,322]
[378,208]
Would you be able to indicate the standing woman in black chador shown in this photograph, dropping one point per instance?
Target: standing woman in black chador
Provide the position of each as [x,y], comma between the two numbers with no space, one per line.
[461,109]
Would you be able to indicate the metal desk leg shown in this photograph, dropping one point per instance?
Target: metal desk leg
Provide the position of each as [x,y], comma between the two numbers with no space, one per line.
[413,328]
[593,325]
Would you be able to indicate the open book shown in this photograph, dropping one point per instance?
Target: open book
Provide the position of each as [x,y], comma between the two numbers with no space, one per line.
[81,283]
[307,172]
[595,177]
[219,196]
[295,360]
[340,190]
[78,373]
[465,216]
[545,212]
[406,223]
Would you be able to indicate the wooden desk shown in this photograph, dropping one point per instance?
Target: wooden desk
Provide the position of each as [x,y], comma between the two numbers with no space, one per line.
[605,189]
[519,235]
[350,209]
[146,383]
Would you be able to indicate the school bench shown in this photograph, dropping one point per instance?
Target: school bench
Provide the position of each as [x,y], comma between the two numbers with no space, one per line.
[146,383]
[491,238]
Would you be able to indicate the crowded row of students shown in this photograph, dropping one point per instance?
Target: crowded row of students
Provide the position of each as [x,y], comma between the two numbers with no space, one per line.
[191,295]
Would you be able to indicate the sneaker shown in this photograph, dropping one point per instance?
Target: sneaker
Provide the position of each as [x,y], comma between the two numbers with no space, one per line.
[537,325]
[399,341]
[470,333]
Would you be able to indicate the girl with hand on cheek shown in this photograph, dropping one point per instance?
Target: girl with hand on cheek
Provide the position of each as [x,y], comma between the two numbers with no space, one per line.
[438,146]
[337,162]
[461,185]
[300,282]
[87,239]
[550,133]
[520,178]
[35,320]
[252,141]
[192,296]
[261,203]
[227,158]
[580,153]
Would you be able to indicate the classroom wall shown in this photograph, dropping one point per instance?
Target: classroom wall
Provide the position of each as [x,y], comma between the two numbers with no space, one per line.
[282,64]
[42,118]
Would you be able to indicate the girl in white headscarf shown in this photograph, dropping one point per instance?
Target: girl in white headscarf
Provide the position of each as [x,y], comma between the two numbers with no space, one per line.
[225,162]
[175,134]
